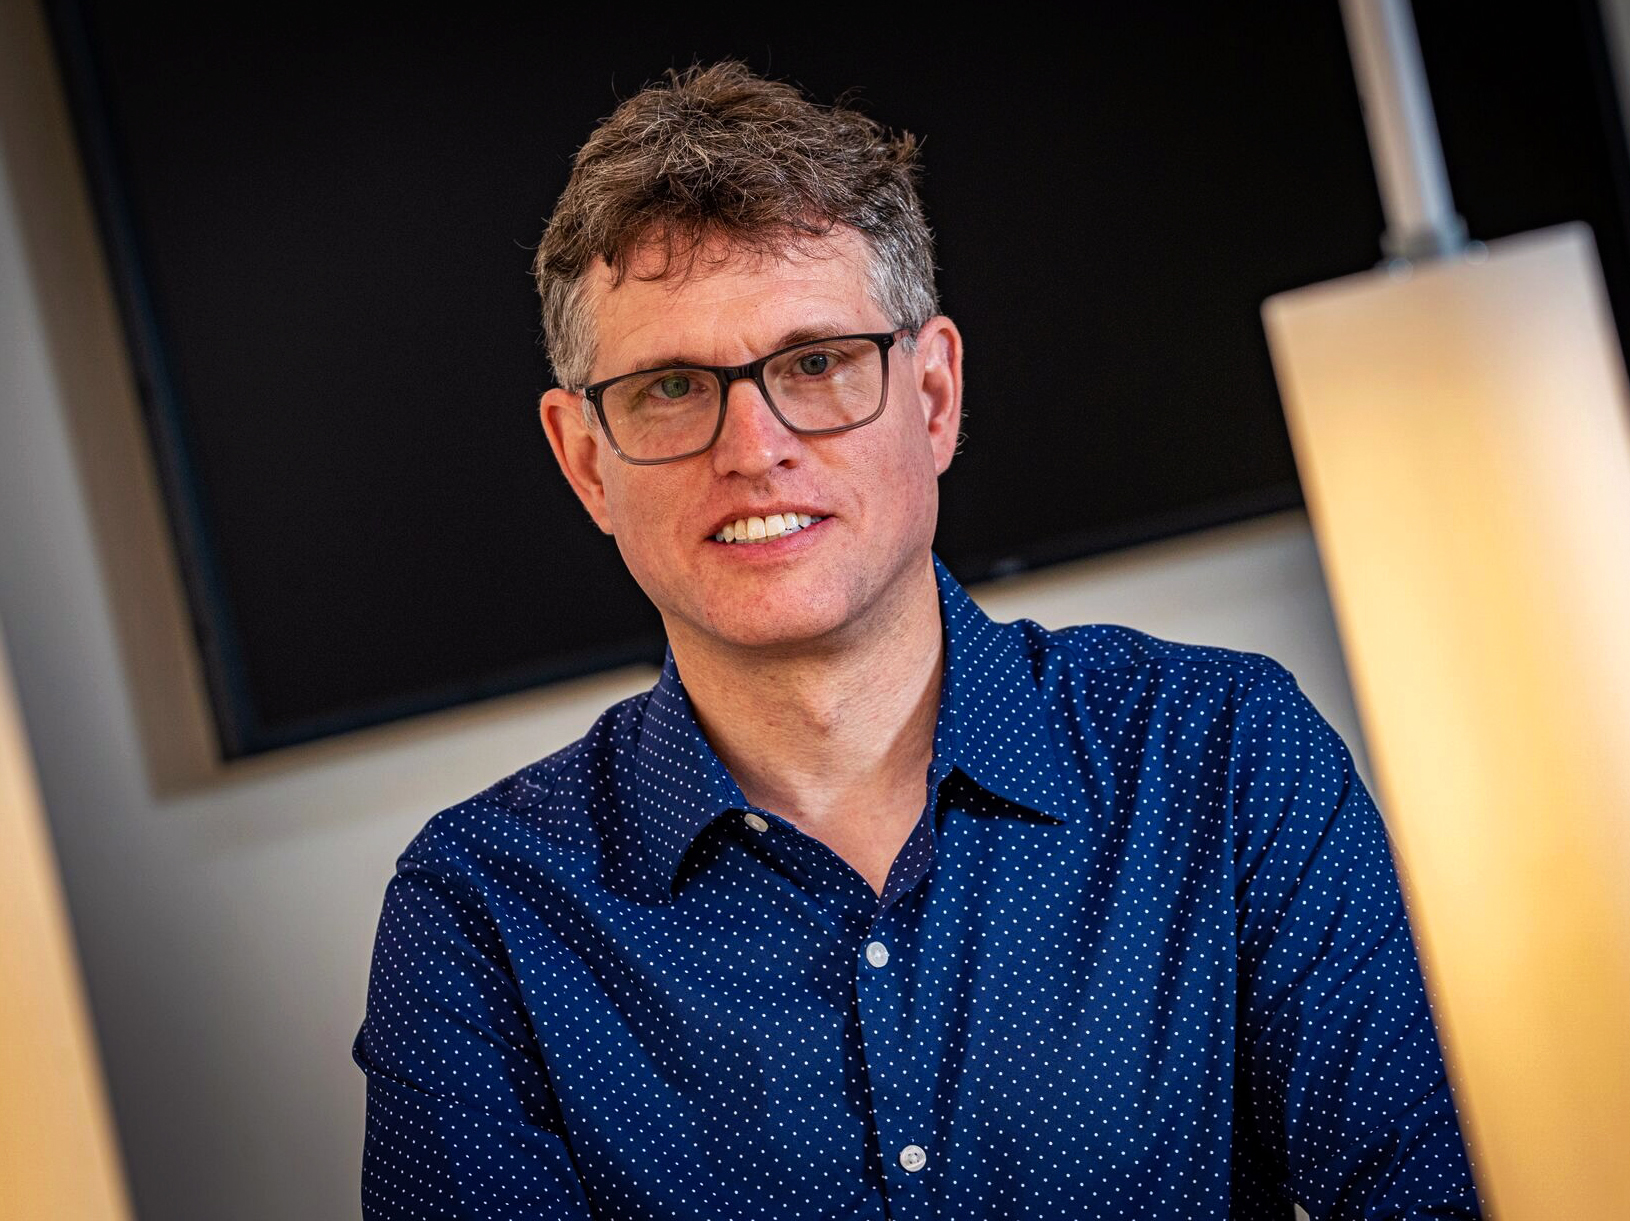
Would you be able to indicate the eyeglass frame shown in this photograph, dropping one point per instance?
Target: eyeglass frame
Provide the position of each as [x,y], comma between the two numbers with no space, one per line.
[753,370]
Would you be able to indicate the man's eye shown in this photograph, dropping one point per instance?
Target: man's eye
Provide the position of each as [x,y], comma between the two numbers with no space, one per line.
[813,364]
[674,386]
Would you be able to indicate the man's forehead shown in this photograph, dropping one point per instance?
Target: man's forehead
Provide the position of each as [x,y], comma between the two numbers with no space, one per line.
[665,288]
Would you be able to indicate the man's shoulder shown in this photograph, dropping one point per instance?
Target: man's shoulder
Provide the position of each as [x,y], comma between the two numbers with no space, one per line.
[1137,687]
[552,800]
[1115,649]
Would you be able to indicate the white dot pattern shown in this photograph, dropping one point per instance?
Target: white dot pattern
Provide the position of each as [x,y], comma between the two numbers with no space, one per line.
[1143,954]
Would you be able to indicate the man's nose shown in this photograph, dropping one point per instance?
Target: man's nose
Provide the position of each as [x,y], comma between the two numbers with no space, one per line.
[753,441]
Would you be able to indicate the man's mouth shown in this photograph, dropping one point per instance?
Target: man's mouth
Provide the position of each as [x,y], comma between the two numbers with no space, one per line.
[763,529]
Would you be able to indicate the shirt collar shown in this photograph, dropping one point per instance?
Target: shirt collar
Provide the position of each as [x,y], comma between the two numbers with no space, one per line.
[995,725]
[998,718]
[677,784]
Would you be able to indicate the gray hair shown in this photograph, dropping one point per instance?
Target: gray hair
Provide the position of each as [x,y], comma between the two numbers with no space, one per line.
[717,152]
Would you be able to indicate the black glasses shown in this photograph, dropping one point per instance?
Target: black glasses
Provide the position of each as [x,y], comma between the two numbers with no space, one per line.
[816,387]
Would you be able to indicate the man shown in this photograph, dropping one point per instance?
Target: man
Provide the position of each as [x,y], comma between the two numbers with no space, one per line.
[872,907]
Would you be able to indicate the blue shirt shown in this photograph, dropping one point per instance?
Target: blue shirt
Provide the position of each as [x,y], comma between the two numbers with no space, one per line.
[1143,954]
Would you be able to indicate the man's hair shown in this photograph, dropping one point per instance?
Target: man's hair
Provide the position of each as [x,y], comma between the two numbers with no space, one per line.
[719,153]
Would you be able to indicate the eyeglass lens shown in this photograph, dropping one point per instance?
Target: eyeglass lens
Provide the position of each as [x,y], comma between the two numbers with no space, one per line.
[665,413]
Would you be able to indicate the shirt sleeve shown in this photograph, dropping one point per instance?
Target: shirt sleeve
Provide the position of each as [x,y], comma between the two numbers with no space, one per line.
[1341,1082]
[461,1120]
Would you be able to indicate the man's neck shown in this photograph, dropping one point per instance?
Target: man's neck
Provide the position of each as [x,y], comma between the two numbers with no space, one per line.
[833,734]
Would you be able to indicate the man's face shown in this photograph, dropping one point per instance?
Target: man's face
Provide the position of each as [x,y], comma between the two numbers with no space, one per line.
[875,487]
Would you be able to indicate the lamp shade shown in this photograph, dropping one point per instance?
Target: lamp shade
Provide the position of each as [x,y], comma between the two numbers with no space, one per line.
[1463,439]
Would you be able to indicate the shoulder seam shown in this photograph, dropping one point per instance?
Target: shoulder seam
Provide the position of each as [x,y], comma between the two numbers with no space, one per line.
[1196,654]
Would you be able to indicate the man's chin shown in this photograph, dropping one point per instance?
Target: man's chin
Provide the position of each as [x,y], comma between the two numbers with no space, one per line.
[786,631]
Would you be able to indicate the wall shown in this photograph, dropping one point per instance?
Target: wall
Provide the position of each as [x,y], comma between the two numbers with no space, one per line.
[225,916]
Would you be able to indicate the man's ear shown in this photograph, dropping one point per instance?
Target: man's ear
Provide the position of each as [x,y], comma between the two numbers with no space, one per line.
[577,447]
[937,364]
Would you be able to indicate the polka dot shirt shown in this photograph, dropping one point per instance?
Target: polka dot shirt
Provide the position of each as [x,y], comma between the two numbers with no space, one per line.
[1142,955]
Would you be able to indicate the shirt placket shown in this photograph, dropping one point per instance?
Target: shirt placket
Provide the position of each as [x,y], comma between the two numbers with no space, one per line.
[901,1100]
[901,1107]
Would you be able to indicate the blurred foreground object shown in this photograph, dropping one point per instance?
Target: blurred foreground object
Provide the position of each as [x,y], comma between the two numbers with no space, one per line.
[1460,426]
[58,1156]
[1462,431]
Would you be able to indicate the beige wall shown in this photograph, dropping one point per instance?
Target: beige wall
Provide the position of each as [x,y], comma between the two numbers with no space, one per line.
[225,916]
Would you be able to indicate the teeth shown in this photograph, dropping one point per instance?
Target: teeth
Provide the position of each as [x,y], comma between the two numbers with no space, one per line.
[763,529]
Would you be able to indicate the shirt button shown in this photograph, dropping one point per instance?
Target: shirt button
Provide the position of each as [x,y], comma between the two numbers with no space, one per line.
[755,822]
[913,1158]
[878,955]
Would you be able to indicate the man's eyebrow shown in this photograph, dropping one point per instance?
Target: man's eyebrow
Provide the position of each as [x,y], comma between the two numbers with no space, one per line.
[805,333]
